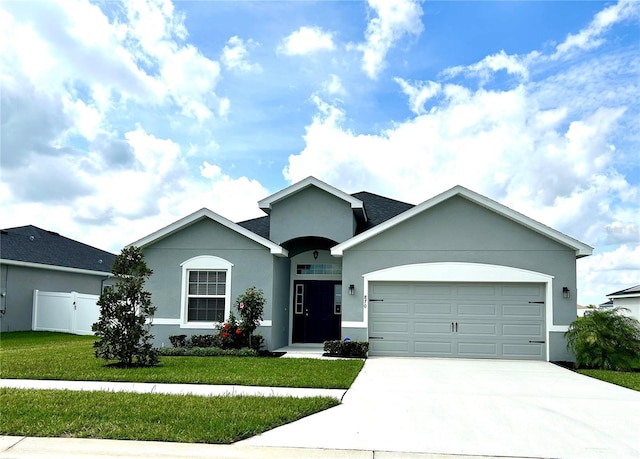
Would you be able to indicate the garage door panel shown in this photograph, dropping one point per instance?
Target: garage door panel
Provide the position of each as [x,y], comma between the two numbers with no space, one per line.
[432,328]
[472,329]
[478,310]
[478,349]
[434,348]
[389,347]
[535,311]
[433,309]
[471,320]
[522,290]
[391,309]
[432,290]
[523,351]
[533,330]
[476,290]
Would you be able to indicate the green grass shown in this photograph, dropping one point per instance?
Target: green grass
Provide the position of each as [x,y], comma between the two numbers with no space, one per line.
[45,355]
[630,380]
[153,417]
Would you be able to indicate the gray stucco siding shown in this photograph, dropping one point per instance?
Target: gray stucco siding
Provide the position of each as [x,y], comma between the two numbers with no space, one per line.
[19,282]
[312,212]
[253,265]
[460,231]
[280,303]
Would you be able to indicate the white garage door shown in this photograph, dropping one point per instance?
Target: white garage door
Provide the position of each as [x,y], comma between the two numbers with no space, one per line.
[468,320]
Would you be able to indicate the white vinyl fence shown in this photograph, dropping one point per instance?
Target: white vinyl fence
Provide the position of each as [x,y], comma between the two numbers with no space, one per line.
[64,312]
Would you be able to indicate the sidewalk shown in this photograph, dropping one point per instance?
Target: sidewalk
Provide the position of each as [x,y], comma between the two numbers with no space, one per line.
[172,389]
[80,448]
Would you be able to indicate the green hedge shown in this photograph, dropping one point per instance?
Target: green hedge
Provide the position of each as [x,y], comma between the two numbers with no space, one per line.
[205,352]
[346,348]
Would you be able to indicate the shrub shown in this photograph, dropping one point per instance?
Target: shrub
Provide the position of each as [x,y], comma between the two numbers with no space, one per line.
[206,352]
[230,335]
[202,341]
[250,306]
[604,339]
[178,340]
[126,312]
[346,348]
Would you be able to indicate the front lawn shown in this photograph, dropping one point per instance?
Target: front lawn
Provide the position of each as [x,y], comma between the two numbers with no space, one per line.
[153,417]
[45,355]
[630,380]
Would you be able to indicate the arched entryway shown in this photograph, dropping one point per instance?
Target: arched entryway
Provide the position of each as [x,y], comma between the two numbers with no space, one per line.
[316,290]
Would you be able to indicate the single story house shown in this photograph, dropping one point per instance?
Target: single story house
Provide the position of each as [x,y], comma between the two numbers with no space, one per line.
[458,275]
[32,258]
[628,298]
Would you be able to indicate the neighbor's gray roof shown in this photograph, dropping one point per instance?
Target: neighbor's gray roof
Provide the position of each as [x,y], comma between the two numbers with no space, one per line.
[31,244]
[628,291]
[378,210]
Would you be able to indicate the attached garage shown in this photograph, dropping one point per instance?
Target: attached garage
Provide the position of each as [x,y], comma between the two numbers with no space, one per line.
[467,320]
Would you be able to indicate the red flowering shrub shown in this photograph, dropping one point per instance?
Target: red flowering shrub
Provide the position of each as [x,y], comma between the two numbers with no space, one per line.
[250,306]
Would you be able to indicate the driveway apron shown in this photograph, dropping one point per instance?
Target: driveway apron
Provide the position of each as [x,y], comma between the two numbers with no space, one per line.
[473,407]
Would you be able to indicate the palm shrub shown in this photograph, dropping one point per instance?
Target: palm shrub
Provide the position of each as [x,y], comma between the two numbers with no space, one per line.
[605,339]
[123,328]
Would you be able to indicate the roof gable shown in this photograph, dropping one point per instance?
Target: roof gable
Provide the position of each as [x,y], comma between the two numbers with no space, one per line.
[581,249]
[32,245]
[201,214]
[267,203]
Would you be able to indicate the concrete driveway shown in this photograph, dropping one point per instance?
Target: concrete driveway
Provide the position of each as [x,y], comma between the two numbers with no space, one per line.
[473,407]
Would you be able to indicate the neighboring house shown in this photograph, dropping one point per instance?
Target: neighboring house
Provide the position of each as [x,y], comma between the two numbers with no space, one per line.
[32,258]
[582,309]
[459,275]
[628,298]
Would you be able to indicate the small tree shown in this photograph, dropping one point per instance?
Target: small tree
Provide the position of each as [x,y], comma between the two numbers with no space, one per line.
[250,306]
[125,314]
[605,339]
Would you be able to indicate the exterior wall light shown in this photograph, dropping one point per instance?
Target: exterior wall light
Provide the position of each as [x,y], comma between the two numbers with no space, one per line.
[352,289]
[566,293]
[315,254]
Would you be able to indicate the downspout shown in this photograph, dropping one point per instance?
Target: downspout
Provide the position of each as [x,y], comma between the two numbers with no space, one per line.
[3,293]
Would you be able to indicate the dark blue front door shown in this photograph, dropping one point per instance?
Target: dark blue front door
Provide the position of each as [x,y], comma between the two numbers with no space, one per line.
[316,311]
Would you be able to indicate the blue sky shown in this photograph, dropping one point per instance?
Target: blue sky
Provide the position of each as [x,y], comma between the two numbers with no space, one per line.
[118,118]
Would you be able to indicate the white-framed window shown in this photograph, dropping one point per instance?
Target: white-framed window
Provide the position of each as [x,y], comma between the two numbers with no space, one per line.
[206,291]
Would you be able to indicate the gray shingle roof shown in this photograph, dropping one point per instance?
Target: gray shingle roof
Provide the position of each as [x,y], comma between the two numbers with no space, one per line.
[36,245]
[627,291]
[378,208]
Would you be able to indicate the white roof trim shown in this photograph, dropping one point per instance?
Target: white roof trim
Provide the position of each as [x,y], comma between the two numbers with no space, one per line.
[267,203]
[582,250]
[28,264]
[201,214]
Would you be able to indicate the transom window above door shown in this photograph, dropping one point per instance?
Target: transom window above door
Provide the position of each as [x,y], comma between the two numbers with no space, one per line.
[319,268]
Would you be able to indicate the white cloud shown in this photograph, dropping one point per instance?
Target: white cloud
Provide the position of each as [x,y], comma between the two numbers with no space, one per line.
[591,36]
[484,70]
[209,170]
[334,86]
[393,21]
[419,93]
[307,40]
[235,55]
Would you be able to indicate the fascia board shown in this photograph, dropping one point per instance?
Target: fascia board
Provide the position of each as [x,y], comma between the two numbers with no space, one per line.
[28,264]
[267,203]
[623,295]
[582,250]
[184,222]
